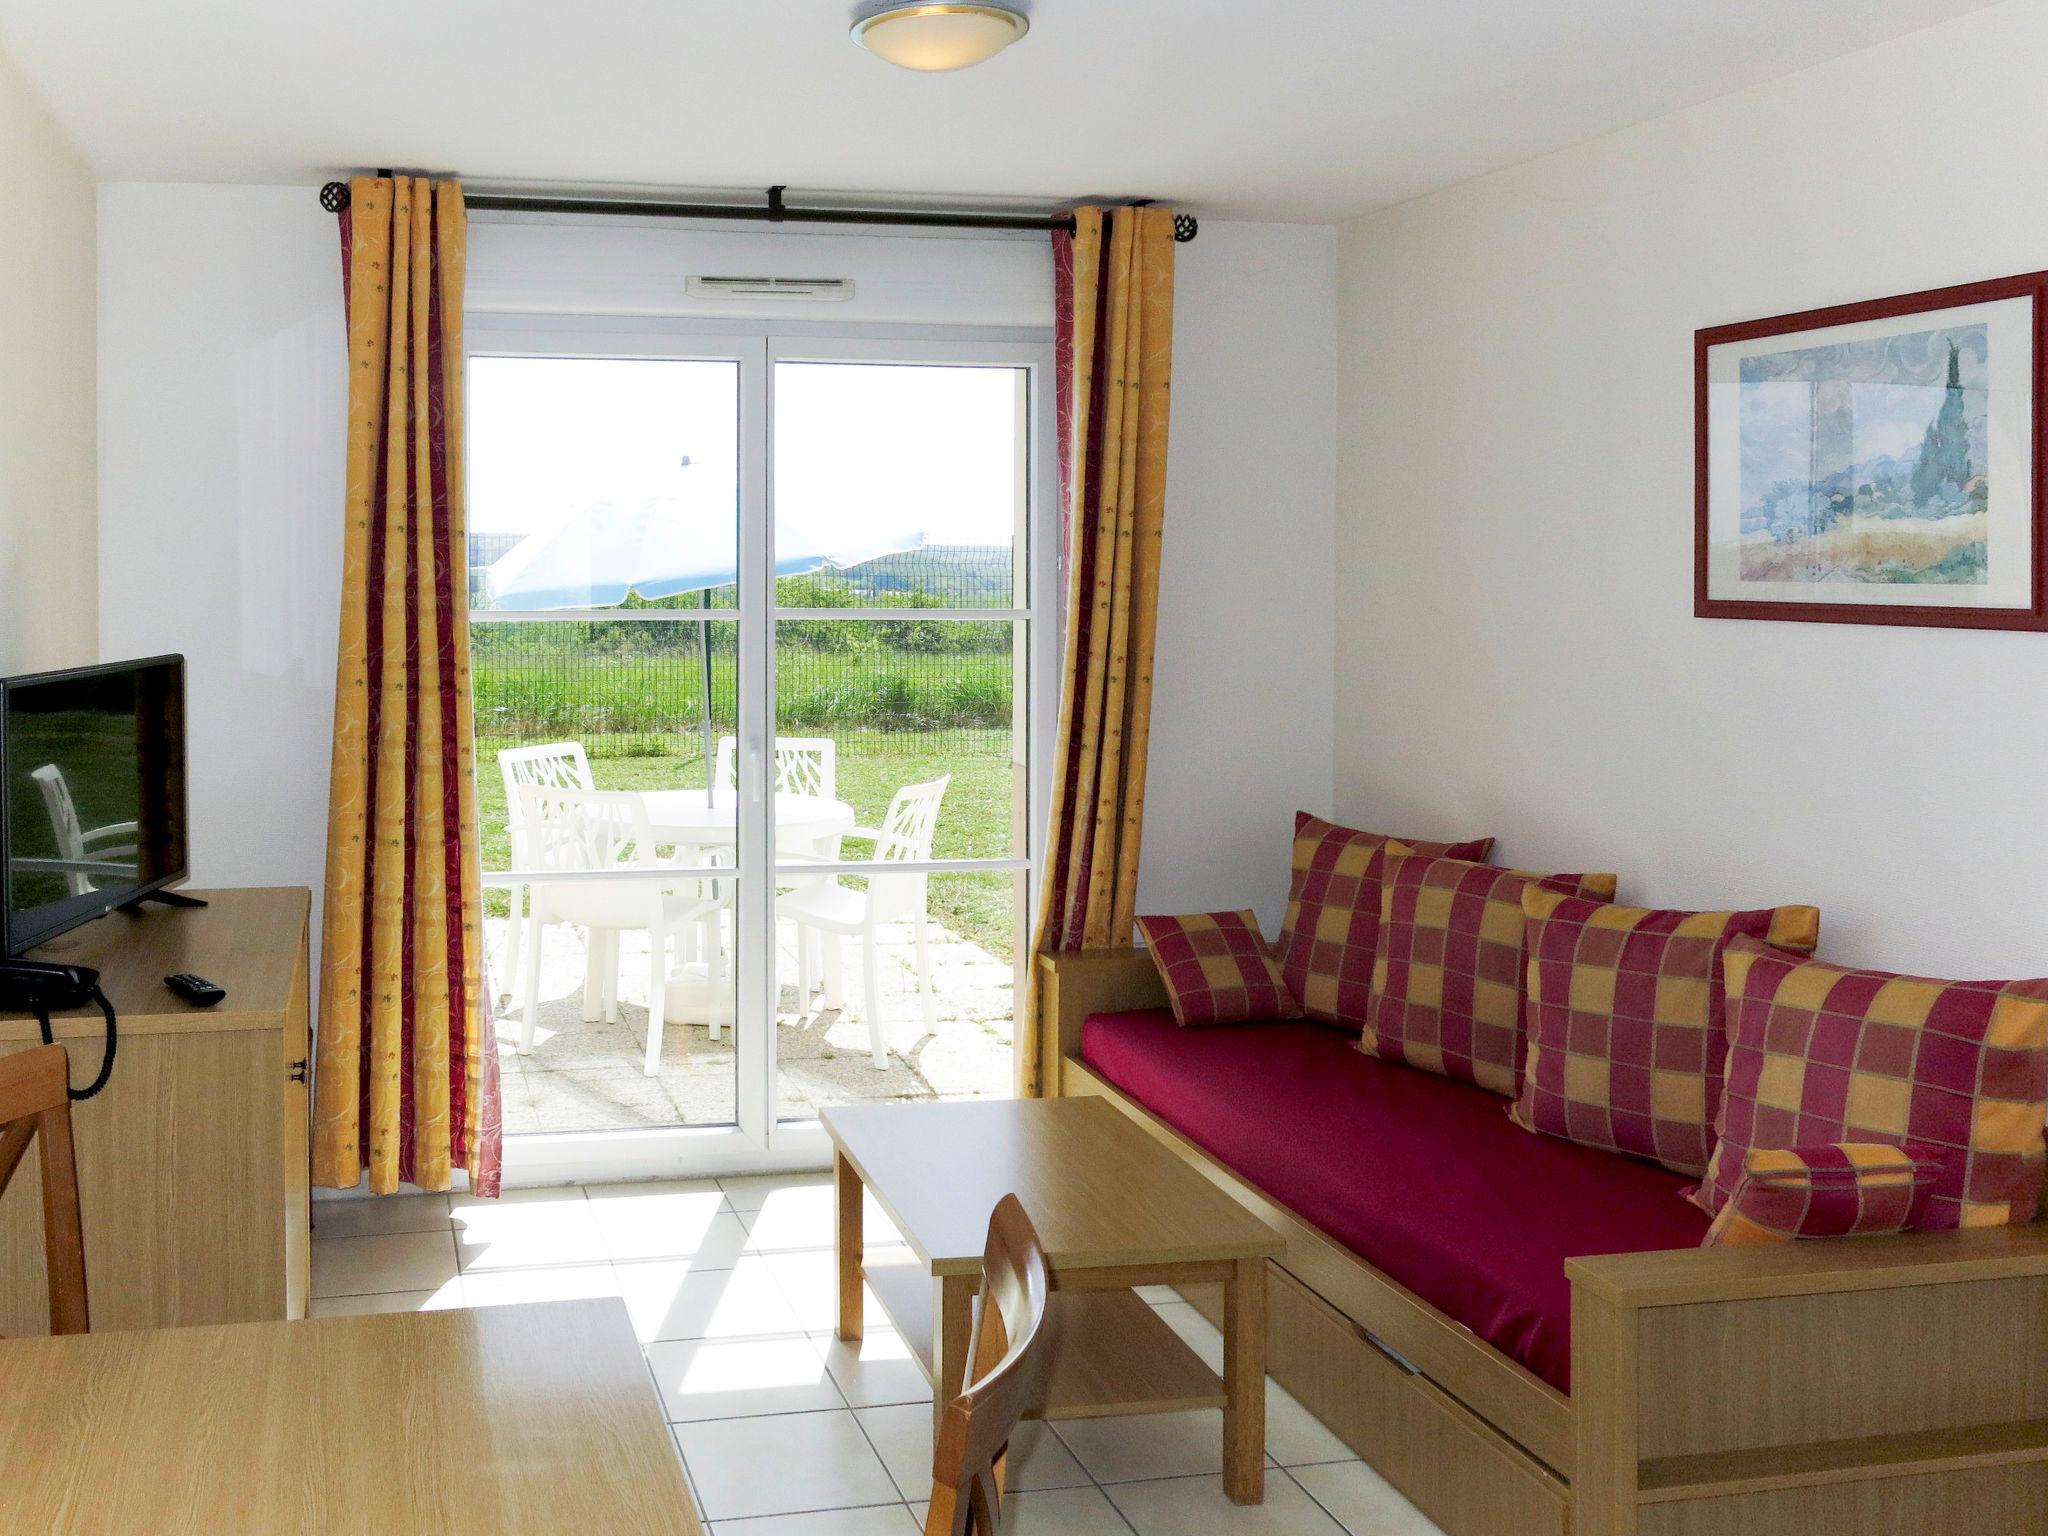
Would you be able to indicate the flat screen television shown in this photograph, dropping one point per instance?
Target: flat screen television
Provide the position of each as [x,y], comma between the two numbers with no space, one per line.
[92,794]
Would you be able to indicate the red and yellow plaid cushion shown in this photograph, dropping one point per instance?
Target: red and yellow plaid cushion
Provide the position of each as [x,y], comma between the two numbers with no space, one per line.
[1333,913]
[1447,984]
[1848,1189]
[1626,1037]
[1819,1053]
[1216,968]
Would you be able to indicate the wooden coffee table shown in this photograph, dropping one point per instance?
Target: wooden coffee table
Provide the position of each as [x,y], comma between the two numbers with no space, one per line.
[1115,1209]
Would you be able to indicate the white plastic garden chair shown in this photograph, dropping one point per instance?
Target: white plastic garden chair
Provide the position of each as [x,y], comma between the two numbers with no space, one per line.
[588,830]
[115,843]
[834,911]
[551,765]
[804,765]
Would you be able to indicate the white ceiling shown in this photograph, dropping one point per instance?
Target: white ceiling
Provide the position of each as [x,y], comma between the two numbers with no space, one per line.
[1308,110]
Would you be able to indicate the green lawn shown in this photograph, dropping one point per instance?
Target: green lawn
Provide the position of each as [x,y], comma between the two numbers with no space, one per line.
[974,823]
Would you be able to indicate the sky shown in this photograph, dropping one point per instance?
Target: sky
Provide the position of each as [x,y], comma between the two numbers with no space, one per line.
[861,449]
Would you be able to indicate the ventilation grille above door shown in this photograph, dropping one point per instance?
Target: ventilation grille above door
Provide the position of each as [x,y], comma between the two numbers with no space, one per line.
[828,289]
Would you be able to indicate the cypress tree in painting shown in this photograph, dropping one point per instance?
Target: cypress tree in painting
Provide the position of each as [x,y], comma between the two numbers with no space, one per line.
[1945,451]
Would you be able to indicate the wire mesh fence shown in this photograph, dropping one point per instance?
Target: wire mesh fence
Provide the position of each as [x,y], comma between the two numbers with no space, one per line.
[634,689]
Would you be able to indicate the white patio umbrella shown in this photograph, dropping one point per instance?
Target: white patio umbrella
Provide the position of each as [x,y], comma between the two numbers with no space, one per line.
[664,546]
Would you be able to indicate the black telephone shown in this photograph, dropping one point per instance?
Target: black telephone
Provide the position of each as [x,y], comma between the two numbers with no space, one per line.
[42,987]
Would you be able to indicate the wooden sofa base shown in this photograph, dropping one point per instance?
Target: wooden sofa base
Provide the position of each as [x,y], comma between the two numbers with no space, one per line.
[1449,1463]
[1813,1389]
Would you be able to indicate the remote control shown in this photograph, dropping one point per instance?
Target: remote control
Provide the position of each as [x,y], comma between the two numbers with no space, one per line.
[196,990]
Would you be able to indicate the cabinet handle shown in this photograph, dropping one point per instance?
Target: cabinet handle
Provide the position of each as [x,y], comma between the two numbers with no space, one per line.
[297,1071]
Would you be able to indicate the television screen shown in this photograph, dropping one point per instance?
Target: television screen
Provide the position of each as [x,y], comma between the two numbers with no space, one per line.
[92,817]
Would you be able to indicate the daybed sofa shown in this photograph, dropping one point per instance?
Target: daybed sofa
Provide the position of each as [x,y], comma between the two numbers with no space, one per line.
[1524,1336]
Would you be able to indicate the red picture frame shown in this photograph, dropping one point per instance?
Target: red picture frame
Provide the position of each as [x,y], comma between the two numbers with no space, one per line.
[2030,285]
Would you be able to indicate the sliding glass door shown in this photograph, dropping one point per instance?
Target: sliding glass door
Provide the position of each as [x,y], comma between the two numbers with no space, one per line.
[758,680]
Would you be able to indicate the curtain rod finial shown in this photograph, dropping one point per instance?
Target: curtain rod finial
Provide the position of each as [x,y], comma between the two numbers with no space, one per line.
[334,196]
[1185,227]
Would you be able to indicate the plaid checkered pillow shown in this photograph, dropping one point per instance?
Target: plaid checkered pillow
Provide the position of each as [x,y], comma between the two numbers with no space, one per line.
[1333,914]
[1216,968]
[1626,1039]
[1818,1053]
[1447,983]
[1849,1189]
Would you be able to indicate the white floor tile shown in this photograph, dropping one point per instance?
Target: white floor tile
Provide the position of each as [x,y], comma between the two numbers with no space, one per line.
[1195,1330]
[517,1287]
[750,1191]
[398,1261]
[674,1299]
[810,1283]
[1123,1450]
[1297,1438]
[1184,1506]
[807,1217]
[875,1520]
[1365,1503]
[671,1219]
[532,1228]
[449,1295]
[1062,1512]
[524,1194]
[378,1215]
[635,1189]
[876,1371]
[783,1464]
[903,1437]
[729,1378]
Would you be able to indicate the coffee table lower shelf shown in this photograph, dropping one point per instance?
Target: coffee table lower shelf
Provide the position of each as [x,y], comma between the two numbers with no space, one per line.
[1115,1354]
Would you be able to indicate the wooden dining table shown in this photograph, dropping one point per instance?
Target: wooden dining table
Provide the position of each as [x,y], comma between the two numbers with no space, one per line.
[513,1421]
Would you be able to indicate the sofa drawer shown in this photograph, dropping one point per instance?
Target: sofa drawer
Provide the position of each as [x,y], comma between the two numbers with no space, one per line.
[1449,1463]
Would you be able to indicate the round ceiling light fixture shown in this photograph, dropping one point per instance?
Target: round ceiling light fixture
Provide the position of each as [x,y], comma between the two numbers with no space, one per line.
[940,37]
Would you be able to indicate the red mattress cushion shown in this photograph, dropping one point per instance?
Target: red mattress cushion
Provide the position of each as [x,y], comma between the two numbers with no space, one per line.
[1424,1178]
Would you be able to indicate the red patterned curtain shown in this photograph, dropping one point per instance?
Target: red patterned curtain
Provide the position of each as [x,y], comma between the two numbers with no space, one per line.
[407,1083]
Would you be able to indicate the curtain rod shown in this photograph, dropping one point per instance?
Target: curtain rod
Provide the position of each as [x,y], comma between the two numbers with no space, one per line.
[334,198]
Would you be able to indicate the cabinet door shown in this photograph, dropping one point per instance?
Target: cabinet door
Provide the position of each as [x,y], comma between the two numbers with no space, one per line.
[181,1181]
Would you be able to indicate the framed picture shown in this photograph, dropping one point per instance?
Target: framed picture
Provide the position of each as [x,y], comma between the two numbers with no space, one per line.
[1876,463]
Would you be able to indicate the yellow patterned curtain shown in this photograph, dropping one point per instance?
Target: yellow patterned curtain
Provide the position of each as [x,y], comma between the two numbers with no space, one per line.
[1114,340]
[407,1077]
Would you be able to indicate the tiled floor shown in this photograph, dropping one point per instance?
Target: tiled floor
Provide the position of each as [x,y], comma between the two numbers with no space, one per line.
[784,1430]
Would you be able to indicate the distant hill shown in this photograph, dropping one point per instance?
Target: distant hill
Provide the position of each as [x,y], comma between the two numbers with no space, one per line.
[970,575]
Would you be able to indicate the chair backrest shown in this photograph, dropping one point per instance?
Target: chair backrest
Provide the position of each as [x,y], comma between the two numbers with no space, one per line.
[550,765]
[804,765]
[35,1106]
[1009,1355]
[582,829]
[64,827]
[906,838]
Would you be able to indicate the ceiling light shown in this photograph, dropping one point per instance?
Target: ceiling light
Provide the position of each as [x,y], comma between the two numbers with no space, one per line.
[939,37]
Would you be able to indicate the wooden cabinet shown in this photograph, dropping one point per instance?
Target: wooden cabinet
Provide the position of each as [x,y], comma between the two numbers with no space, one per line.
[192,1162]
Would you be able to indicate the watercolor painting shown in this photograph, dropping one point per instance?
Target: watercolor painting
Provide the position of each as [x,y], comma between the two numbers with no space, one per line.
[1879,462]
[1867,461]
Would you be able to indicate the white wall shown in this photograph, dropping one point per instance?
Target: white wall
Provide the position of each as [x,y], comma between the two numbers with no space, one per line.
[1242,687]
[47,591]
[221,422]
[1518,654]
[222,411]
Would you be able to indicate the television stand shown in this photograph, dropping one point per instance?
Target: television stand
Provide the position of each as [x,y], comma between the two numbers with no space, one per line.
[166,898]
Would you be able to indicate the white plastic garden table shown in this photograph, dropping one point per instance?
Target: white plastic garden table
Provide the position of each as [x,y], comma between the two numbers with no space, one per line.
[809,824]
[802,822]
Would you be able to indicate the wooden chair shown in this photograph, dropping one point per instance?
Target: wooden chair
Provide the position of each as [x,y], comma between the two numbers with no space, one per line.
[1008,1355]
[32,1099]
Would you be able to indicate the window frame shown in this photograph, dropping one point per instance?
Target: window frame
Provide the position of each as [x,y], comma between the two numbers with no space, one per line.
[758,1140]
